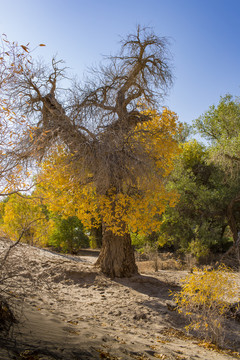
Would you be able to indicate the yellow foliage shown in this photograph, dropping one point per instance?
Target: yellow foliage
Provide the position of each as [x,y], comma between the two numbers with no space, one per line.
[157,136]
[205,298]
[140,209]
[193,153]
[25,214]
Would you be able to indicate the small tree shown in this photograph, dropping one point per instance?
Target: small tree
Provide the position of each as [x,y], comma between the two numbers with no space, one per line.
[205,299]
[68,235]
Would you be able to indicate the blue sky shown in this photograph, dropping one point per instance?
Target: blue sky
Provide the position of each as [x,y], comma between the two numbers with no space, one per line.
[204,36]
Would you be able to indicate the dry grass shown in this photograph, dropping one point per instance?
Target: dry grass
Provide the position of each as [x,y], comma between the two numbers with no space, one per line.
[150,266]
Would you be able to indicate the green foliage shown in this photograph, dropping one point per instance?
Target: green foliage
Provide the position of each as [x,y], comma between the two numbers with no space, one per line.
[138,241]
[221,121]
[68,235]
[40,226]
[203,301]
[221,126]
[145,243]
[198,248]
[185,133]
[198,221]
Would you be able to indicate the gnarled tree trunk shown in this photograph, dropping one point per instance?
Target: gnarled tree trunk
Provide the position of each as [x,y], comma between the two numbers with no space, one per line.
[116,257]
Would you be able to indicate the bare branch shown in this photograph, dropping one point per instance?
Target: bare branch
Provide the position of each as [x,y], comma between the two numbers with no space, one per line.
[17,242]
[94,122]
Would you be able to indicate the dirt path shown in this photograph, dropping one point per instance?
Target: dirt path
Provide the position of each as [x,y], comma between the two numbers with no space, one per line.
[69,310]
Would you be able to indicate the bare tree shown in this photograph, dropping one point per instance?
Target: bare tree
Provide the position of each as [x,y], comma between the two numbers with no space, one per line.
[95,122]
[15,60]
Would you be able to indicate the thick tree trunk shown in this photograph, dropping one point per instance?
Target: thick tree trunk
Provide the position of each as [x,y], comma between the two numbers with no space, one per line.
[116,257]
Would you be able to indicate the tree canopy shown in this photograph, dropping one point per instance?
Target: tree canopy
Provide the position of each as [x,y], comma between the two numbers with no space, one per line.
[221,125]
[60,187]
[198,222]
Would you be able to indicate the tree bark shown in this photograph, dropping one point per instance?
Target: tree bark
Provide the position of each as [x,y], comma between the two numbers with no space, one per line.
[116,257]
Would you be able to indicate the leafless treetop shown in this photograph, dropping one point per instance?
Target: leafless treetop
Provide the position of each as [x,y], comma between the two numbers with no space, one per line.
[95,120]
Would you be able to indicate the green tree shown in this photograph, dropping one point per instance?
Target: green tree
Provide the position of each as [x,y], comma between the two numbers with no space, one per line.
[221,126]
[199,220]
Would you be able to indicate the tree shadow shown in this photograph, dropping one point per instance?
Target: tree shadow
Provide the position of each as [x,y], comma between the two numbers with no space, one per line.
[159,298]
[149,285]
[160,295]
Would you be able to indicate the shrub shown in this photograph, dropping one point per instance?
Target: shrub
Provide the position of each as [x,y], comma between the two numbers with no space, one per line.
[68,235]
[198,249]
[205,298]
[138,241]
[147,243]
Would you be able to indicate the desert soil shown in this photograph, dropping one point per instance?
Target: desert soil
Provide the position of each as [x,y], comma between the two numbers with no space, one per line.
[66,309]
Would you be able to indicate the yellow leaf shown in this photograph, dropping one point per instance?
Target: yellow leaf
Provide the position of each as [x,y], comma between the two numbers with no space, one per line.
[24,48]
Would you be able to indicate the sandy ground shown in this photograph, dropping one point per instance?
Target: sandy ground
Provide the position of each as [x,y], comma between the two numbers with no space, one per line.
[67,309]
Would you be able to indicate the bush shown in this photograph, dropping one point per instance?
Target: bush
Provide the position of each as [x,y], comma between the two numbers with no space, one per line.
[138,241]
[145,243]
[68,235]
[205,298]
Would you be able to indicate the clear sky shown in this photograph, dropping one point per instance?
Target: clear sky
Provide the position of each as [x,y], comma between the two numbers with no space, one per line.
[204,35]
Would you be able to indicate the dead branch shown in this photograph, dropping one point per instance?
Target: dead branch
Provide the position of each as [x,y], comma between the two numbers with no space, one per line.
[17,242]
